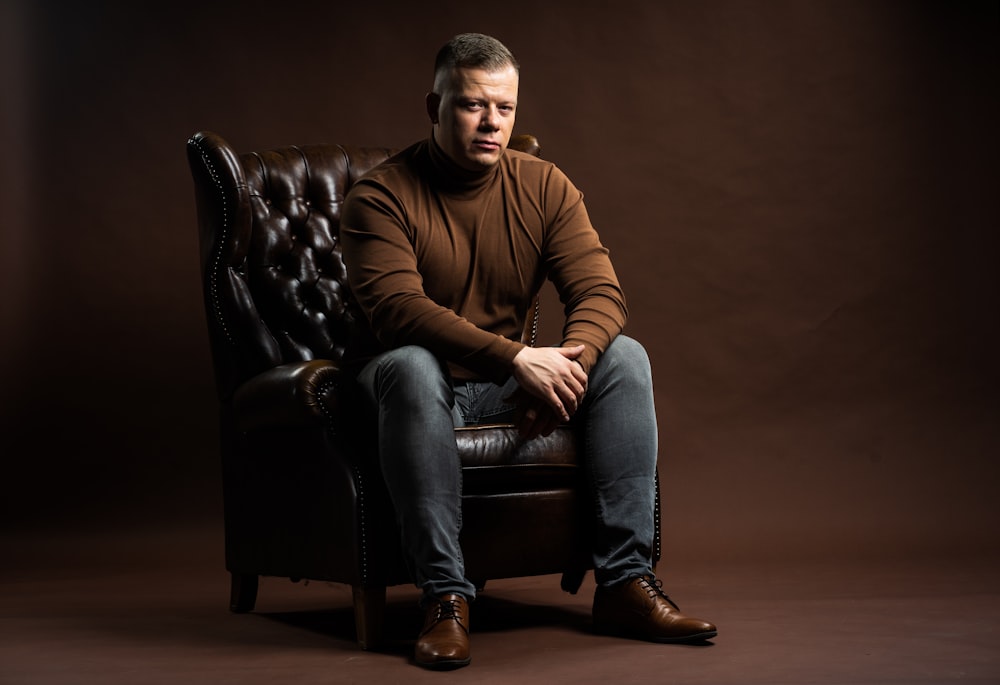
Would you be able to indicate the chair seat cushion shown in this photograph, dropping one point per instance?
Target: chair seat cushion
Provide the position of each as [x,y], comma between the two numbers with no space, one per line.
[495,459]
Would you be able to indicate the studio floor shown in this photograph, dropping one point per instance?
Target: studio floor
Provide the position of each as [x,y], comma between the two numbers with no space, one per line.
[152,607]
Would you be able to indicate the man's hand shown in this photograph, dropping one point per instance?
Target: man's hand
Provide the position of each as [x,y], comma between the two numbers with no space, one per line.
[534,417]
[553,384]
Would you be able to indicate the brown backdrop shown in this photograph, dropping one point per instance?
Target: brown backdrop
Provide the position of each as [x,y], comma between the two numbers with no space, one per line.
[799,198]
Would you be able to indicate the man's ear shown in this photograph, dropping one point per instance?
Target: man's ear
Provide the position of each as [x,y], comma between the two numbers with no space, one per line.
[433,102]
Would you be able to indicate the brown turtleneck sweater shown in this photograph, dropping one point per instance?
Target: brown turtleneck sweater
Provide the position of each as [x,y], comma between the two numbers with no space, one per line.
[451,260]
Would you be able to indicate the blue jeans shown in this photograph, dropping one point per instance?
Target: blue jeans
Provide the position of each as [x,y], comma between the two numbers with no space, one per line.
[418,407]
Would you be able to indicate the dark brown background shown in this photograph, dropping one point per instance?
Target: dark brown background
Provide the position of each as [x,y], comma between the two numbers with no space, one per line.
[799,198]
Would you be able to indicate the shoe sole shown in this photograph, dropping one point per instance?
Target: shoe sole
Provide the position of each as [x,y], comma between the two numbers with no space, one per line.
[700,637]
[446,665]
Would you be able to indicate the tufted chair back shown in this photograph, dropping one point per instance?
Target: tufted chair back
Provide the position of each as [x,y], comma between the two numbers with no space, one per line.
[303,497]
[276,286]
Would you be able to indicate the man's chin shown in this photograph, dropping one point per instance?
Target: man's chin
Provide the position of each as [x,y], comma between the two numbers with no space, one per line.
[486,160]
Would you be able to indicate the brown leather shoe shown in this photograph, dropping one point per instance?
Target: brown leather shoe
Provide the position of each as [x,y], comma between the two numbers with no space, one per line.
[444,641]
[640,608]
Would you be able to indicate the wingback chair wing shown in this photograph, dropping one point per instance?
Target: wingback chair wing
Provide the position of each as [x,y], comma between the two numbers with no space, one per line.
[303,497]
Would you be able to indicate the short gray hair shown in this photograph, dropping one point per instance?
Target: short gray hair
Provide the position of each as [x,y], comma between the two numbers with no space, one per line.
[472,51]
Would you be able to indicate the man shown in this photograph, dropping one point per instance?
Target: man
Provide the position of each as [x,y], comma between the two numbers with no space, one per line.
[446,245]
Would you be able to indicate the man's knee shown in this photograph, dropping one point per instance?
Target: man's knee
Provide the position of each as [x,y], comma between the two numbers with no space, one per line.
[626,355]
[412,370]
[411,359]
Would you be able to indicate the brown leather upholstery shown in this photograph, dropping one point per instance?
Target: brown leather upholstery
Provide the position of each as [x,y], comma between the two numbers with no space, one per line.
[303,496]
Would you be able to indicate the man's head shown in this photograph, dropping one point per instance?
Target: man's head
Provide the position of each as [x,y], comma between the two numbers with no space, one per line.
[474,100]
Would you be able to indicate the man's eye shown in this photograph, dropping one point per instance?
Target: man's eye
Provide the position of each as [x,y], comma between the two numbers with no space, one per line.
[473,106]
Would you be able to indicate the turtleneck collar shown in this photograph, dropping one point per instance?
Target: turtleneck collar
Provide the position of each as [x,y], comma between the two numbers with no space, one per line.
[452,178]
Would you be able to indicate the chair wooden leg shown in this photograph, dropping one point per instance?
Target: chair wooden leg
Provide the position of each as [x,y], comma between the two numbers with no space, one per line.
[572,580]
[369,611]
[242,592]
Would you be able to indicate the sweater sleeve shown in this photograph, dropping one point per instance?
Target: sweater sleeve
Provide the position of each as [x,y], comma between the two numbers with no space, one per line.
[383,275]
[580,268]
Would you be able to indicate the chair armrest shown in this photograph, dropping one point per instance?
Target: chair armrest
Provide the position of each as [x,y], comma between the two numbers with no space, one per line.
[294,395]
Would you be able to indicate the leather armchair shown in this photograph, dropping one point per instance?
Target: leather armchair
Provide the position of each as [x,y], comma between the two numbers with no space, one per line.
[303,497]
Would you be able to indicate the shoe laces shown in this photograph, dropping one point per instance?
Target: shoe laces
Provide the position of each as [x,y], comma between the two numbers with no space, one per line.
[447,609]
[654,587]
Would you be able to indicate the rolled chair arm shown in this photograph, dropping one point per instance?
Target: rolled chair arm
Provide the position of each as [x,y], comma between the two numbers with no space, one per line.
[294,395]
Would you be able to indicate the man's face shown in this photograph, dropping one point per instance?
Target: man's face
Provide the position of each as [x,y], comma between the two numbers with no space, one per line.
[473,116]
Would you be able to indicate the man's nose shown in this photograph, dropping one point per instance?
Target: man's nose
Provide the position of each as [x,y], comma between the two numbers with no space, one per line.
[491,119]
